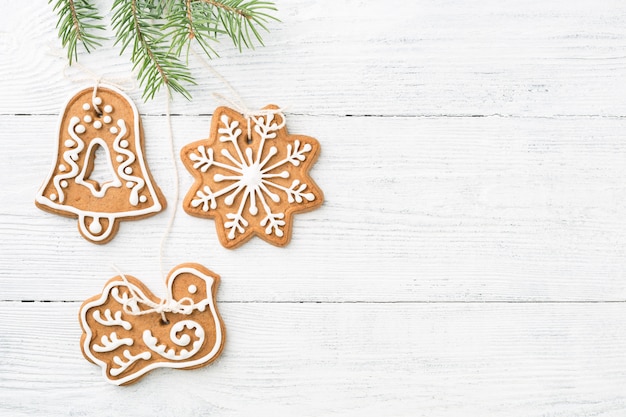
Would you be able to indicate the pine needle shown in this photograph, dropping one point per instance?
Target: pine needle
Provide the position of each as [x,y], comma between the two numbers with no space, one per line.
[135,22]
[78,19]
[160,32]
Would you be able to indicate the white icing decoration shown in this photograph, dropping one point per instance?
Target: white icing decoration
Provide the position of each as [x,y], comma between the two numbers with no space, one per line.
[143,199]
[251,175]
[108,108]
[86,106]
[183,341]
[124,298]
[107,119]
[95,227]
[97,101]
[80,179]
[192,289]
[53,196]
[127,359]
[97,124]
[130,184]
[113,129]
[80,129]
[62,167]
[119,147]
[123,365]
[64,184]
[112,342]
[119,158]
[87,119]
[111,319]
[70,157]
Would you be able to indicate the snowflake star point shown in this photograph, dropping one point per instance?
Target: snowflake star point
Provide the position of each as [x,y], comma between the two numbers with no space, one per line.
[251,186]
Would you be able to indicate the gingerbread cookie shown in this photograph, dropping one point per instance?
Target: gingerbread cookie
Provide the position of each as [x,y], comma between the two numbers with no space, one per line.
[251,176]
[102,119]
[125,333]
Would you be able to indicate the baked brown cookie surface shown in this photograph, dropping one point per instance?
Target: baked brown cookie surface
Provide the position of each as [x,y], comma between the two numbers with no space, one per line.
[125,334]
[107,123]
[251,176]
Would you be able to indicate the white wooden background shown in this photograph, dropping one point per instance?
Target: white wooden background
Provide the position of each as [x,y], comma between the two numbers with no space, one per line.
[469,260]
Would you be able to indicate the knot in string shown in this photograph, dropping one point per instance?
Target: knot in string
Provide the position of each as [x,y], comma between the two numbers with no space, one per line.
[167,305]
[252,114]
[124,84]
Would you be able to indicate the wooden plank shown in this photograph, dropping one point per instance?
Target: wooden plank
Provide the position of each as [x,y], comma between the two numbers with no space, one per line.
[505,360]
[430,209]
[406,58]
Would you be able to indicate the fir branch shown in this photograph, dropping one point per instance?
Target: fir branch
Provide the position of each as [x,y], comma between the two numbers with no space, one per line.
[136,22]
[161,31]
[188,21]
[240,19]
[78,19]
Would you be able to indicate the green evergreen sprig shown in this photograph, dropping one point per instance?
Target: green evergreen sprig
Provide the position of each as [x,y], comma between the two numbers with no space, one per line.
[78,20]
[159,33]
[133,24]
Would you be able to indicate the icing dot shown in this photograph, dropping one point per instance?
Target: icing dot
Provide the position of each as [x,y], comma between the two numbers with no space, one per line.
[143,198]
[128,170]
[86,106]
[69,143]
[119,158]
[113,130]
[107,119]
[192,289]
[97,124]
[124,144]
[62,167]
[95,227]
[130,184]
[97,101]
[64,184]
[87,119]
[53,196]
[108,108]
[81,128]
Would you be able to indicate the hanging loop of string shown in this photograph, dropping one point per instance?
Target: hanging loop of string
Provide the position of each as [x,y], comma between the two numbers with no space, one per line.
[237,103]
[94,100]
[252,115]
[183,306]
[122,83]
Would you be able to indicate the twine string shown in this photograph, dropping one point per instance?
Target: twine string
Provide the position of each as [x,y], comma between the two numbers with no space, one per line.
[167,305]
[237,102]
[170,224]
[185,305]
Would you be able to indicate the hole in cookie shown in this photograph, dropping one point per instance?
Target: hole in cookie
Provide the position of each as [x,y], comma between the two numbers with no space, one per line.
[100,169]
[249,140]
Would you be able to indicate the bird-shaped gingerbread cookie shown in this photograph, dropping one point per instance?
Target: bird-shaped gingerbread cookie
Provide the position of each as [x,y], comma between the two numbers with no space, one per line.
[128,331]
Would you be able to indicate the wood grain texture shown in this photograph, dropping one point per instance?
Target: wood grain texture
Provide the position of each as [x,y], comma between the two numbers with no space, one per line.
[341,360]
[417,209]
[460,265]
[360,57]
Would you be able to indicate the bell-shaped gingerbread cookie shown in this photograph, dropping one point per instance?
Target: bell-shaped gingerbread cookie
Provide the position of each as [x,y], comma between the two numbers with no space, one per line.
[100,121]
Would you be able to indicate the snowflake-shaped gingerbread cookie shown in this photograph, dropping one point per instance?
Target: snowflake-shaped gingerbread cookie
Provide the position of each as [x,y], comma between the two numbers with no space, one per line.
[251,185]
